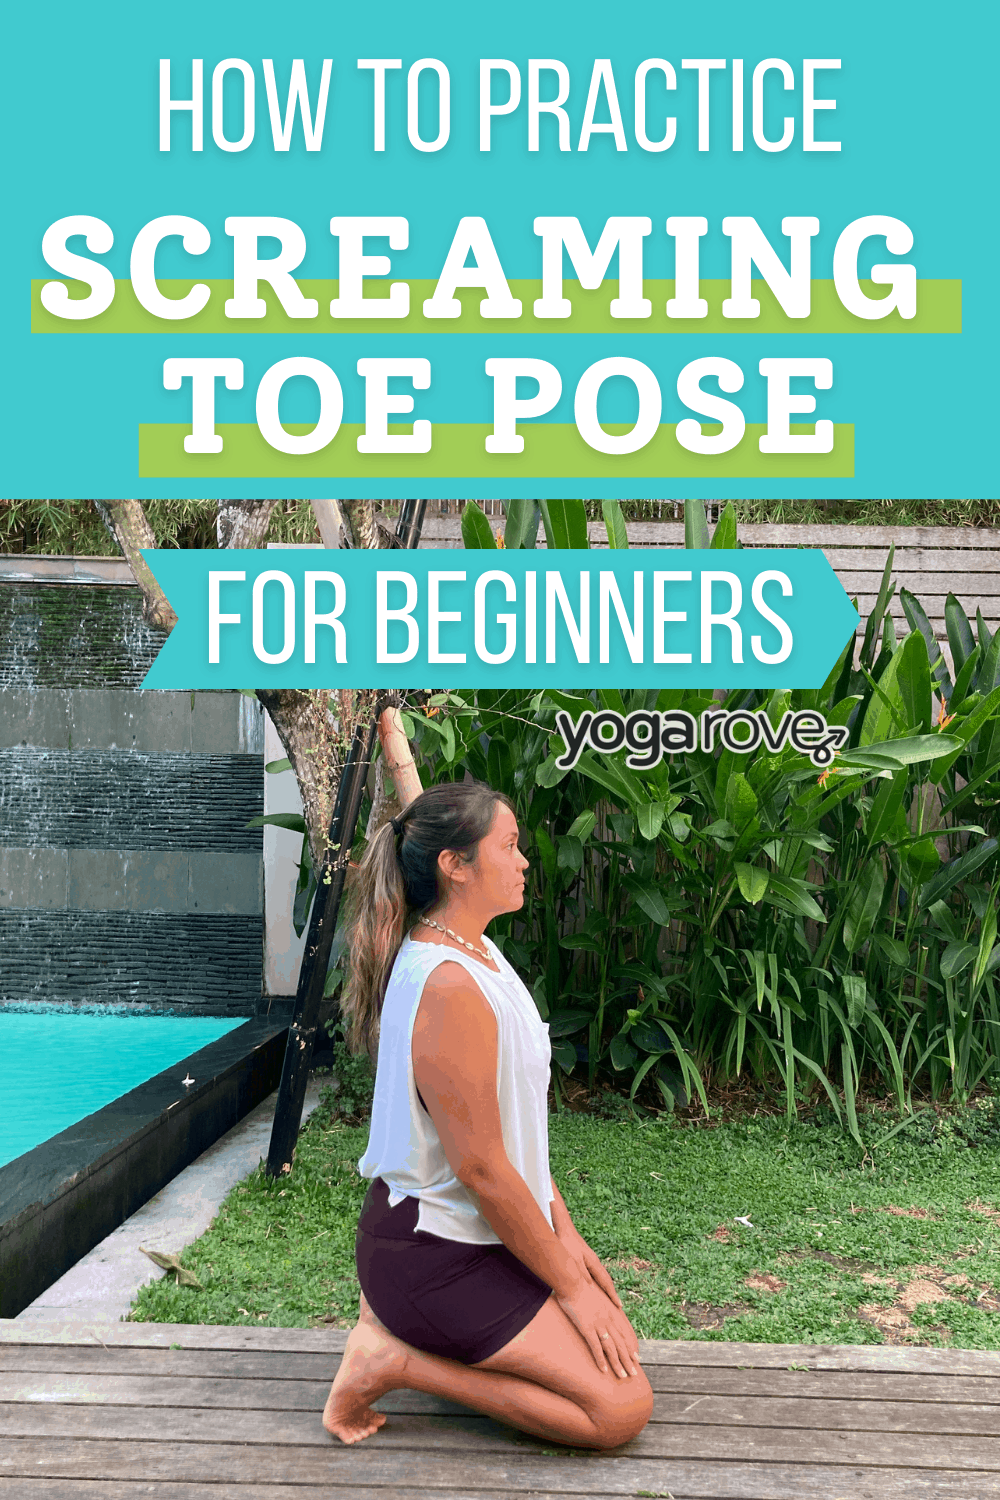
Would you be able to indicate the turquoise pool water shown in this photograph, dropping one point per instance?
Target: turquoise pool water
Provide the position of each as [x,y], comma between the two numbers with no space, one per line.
[57,1067]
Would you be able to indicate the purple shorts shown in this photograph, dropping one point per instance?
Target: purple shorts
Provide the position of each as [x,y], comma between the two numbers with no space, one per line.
[458,1300]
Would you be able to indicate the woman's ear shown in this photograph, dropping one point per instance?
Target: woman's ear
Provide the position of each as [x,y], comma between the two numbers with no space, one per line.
[451,865]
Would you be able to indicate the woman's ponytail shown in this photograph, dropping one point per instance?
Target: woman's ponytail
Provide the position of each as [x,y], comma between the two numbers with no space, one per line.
[379,922]
[397,880]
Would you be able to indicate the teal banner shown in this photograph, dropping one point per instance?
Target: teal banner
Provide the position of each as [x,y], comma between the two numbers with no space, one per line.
[652,618]
[390,251]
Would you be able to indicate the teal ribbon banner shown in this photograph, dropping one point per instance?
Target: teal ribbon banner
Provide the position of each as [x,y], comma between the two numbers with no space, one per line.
[761,618]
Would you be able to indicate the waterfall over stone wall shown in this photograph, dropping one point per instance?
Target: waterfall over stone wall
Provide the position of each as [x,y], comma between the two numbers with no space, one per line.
[127,875]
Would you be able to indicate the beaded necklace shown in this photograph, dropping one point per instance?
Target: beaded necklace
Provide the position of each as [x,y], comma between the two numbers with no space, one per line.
[426,922]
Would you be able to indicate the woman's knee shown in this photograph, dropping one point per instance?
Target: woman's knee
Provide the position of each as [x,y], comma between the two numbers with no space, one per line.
[621,1411]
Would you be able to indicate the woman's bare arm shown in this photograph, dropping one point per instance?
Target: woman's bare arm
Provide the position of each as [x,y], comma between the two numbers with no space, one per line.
[454,1052]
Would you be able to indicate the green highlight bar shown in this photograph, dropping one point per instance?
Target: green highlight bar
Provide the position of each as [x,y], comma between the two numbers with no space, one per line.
[939,310]
[552,450]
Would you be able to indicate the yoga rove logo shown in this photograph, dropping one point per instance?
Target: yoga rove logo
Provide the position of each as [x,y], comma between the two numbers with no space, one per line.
[650,735]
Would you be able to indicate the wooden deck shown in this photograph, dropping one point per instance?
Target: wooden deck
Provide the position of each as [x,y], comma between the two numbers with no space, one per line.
[117,1411]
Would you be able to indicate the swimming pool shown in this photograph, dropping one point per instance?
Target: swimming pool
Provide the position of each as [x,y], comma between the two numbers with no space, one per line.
[59,1066]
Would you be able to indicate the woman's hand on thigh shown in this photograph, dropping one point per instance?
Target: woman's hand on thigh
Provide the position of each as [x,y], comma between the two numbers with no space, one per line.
[608,1333]
[596,1272]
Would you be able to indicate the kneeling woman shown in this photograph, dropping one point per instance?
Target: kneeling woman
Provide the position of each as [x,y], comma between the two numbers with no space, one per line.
[476,1285]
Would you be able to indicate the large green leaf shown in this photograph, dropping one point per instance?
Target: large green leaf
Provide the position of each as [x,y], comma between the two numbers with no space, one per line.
[565,523]
[615,523]
[521,529]
[583,941]
[955,870]
[864,906]
[886,807]
[564,1053]
[885,710]
[890,754]
[695,525]
[476,530]
[983,633]
[793,895]
[966,728]
[885,592]
[856,995]
[622,1053]
[293,821]
[622,783]
[752,882]
[500,765]
[566,1022]
[959,629]
[956,957]
[917,617]
[914,677]
[724,536]
[649,816]
[649,897]
[583,826]
[741,801]
[548,772]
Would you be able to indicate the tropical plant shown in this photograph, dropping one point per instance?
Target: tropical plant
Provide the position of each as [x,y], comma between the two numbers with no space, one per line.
[724,911]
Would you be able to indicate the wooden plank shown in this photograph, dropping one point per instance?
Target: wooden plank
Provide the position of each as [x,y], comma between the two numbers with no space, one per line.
[910,560]
[871,536]
[937,584]
[209,1364]
[822,1385]
[447,530]
[71,1359]
[131,1489]
[829,1415]
[762,1480]
[365,1472]
[62,1330]
[465,1435]
[699,1352]
[710,1408]
[696,1353]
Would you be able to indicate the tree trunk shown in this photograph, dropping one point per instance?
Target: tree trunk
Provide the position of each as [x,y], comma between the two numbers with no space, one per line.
[132,531]
[314,725]
[243,523]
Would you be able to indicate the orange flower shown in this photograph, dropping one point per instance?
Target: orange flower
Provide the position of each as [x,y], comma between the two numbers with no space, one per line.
[943,718]
[824,776]
[499,539]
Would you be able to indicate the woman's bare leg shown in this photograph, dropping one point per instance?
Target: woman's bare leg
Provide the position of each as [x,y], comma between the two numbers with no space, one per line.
[544,1382]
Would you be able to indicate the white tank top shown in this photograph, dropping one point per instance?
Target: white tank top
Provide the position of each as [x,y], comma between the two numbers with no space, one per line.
[404,1148]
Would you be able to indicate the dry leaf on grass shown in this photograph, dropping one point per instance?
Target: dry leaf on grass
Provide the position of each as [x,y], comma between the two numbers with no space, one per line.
[169,1262]
[977,1206]
[722,1234]
[761,1281]
[920,1291]
[905,1213]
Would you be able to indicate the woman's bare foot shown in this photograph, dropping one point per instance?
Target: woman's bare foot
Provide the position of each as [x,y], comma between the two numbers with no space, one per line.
[374,1362]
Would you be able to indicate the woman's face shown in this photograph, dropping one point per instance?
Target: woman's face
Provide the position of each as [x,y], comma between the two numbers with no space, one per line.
[495,878]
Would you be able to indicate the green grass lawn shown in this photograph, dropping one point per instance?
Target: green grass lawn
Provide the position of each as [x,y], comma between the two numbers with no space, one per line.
[899,1243]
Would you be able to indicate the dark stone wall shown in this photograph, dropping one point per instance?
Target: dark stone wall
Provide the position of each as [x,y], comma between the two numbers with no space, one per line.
[127,872]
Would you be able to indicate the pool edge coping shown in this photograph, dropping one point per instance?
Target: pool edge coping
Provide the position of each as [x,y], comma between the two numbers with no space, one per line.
[70,1192]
